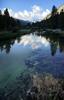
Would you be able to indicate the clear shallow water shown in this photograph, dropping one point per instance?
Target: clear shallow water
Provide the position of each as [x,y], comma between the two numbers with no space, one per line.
[43,54]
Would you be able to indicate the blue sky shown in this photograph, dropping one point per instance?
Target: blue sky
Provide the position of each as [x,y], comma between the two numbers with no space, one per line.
[27,5]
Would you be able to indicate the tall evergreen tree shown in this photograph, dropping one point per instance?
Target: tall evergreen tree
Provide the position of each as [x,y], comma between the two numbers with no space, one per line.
[54,10]
[61,19]
[0,12]
[1,19]
[54,17]
[6,12]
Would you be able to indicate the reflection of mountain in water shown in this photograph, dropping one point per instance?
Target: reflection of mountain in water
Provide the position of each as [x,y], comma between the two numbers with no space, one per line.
[52,63]
[55,41]
[40,61]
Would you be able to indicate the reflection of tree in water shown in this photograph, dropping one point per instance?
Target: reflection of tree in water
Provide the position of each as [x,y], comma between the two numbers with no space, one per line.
[6,45]
[61,44]
[55,42]
[18,39]
[53,47]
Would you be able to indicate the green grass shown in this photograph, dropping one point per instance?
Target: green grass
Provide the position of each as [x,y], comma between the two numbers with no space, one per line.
[9,34]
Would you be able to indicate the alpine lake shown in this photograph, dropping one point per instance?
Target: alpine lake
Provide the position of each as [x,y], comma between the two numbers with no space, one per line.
[25,55]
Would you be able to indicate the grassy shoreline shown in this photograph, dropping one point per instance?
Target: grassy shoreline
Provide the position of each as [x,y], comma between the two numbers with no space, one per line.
[10,34]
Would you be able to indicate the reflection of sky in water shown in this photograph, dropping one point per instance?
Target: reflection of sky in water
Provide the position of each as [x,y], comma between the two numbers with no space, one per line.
[34,41]
[30,51]
[42,61]
[13,63]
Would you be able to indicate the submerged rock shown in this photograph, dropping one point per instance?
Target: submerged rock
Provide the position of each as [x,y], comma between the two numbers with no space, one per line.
[45,87]
[35,87]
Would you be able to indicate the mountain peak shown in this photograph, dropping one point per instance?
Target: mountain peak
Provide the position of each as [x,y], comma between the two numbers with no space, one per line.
[61,7]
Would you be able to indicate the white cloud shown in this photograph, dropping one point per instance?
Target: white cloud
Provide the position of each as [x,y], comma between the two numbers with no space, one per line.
[36,14]
[36,10]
